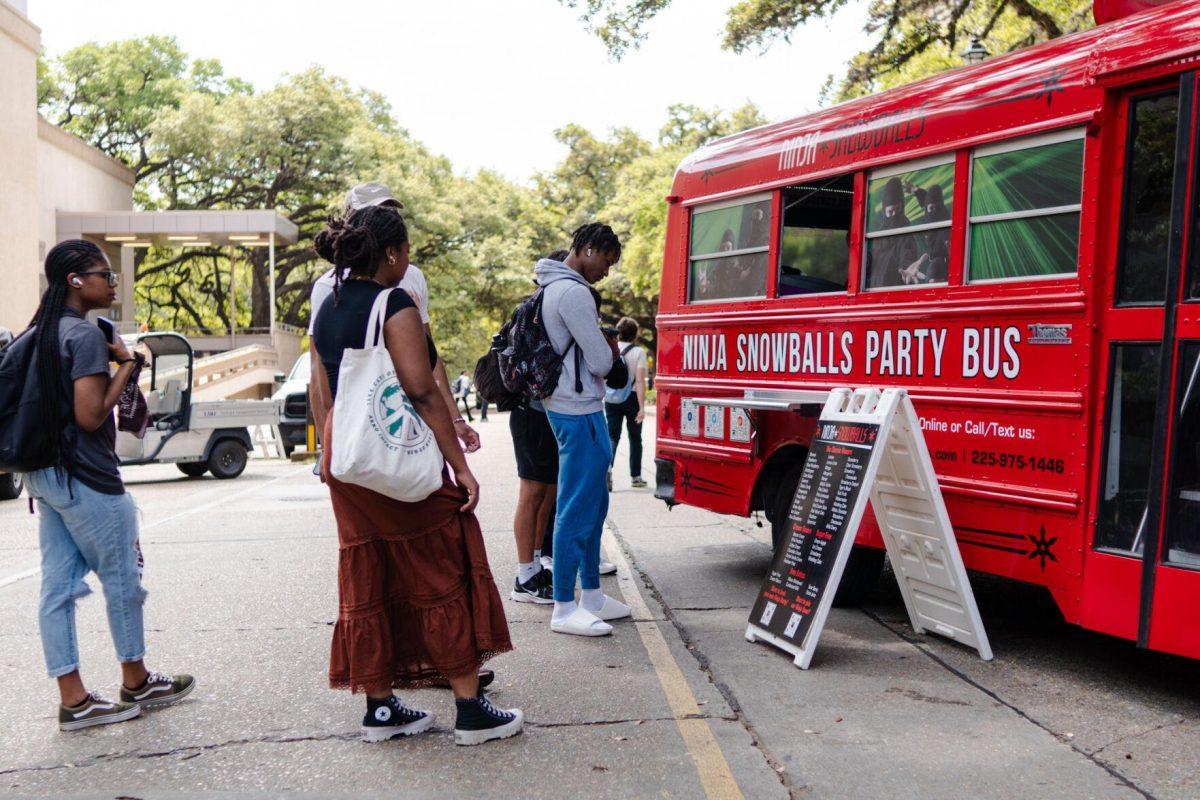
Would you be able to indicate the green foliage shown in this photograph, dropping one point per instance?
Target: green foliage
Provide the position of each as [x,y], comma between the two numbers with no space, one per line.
[198,139]
[913,38]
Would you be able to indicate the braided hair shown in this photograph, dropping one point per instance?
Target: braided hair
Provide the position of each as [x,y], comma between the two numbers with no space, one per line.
[355,243]
[598,236]
[63,259]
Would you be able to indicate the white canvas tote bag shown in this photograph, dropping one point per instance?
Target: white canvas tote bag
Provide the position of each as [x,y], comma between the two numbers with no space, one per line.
[379,441]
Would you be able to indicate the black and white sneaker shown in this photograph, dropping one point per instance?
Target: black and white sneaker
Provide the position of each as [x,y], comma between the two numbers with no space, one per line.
[479,721]
[387,719]
[94,710]
[538,589]
[159,690]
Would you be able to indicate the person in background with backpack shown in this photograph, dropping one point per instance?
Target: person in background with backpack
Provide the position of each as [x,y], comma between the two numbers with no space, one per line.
[462,393]
[575,412]
[417,605]
[87,521]
[628,404]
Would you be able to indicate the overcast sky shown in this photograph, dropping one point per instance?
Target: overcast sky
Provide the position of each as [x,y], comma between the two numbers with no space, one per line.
[484,82]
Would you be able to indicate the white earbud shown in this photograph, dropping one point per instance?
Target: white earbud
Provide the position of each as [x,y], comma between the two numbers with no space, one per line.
[589,252]
[76,283]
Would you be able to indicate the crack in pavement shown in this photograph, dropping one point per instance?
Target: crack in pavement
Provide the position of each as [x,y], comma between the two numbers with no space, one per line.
[965,678]
[778,768]
[190,750]
[1138,735]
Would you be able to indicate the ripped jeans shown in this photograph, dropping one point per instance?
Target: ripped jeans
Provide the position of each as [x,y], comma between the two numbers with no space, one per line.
[81,531]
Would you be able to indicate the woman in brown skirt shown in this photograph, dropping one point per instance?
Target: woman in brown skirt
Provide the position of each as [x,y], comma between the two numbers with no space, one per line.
[417,603]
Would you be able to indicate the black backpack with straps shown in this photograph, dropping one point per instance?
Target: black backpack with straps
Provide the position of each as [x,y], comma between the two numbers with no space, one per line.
[23,446]
[528,364]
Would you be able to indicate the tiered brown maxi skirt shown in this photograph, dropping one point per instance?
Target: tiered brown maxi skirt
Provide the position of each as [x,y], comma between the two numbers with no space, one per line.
[416,598]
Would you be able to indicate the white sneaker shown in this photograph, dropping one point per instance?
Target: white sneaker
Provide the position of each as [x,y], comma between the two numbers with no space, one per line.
[581,622]
[607,567]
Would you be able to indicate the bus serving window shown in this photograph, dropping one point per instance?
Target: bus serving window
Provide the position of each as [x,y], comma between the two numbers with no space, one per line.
[908,225]
[1025,201]
[728,250]
[815,248]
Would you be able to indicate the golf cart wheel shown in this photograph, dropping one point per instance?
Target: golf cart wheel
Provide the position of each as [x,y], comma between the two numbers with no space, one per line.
[864,566]
[11,485]
[227,459]
[193,469]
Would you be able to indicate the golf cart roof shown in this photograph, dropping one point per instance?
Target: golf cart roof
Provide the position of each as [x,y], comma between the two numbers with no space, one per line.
[165,344]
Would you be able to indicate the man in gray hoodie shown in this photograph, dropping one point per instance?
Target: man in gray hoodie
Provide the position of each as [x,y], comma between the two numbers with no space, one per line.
[576,413]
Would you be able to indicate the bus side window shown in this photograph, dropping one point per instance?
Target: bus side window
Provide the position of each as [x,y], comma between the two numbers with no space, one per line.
[727,252]
[814,253]
[909,213]
[1024,213]
[1146,216]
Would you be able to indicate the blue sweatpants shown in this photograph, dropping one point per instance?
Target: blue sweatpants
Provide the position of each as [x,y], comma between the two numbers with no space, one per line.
[584,454]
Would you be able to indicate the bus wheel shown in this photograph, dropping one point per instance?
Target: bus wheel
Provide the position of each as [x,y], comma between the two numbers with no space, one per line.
[193,469]
[227,459]
[865,564]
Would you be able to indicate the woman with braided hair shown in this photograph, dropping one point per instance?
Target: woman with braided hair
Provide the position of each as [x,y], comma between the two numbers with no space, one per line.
[417,603]
[87,522]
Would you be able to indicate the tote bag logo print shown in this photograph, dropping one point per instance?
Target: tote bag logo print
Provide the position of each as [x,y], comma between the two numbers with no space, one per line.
[394,419]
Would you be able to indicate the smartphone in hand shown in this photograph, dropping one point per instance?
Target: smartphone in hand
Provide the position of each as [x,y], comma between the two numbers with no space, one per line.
[108,328]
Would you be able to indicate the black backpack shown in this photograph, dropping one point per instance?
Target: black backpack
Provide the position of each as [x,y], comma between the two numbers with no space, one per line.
[488,383]
[528,365]
[23,447]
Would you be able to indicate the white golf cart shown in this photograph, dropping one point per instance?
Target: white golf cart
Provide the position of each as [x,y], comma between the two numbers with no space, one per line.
[211,436]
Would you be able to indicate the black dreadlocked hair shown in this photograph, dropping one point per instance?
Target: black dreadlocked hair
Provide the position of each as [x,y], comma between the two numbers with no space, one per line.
[558,255]
[355,243]
[64,258]
[596,235]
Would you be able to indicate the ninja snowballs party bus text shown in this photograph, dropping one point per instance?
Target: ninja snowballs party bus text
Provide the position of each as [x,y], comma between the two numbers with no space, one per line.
[1016,244]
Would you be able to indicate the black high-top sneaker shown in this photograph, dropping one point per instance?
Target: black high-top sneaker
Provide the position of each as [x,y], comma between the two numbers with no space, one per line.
[479,721]
[387,719]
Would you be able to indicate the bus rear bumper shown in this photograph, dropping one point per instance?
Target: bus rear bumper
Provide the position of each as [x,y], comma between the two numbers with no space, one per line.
[664,481]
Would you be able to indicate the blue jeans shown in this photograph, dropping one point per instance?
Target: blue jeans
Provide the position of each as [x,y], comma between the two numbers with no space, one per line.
[583,458]
[82,530]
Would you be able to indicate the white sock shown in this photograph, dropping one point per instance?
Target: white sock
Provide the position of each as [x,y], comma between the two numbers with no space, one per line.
[564,610]
[592,600]
[537,554]
[527,571]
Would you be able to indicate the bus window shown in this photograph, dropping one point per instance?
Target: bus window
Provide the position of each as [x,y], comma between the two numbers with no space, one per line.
[908,225]
[814,253]
[1183,522]
[728,250]
[1146,216]
[1025,201]
[1132,399]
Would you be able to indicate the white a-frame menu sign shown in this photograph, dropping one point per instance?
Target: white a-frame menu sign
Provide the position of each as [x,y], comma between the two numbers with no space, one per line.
[868,444]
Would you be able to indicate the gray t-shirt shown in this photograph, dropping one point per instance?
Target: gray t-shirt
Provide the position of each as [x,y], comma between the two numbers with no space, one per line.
[85,352]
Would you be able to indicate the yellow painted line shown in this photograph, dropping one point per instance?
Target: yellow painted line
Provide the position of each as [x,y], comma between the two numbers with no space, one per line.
[715,775]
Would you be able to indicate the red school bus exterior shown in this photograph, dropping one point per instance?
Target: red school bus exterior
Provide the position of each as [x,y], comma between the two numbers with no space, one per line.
[1015,243]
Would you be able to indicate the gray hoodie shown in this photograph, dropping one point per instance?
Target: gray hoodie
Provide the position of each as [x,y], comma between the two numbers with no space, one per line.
[569,312]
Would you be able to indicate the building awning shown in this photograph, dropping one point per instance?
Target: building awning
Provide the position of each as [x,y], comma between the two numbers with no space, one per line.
[179,228]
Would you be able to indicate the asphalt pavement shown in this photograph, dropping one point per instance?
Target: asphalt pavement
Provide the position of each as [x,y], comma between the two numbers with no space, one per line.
[675,703]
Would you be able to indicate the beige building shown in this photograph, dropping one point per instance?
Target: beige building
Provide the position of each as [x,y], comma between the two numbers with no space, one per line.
[44,171]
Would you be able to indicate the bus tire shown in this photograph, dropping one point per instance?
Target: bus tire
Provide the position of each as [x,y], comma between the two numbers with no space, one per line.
[193,469]
[865,564]
[11,485]
[227,459]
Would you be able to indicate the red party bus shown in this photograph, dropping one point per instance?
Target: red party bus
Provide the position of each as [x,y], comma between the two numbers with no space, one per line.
[1017,244]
